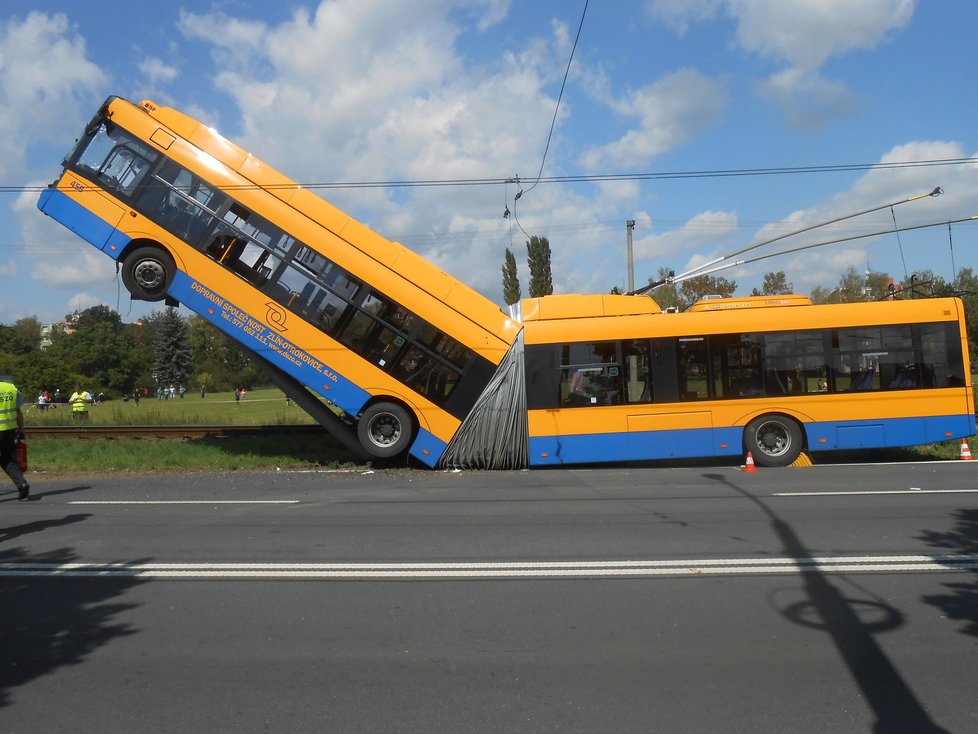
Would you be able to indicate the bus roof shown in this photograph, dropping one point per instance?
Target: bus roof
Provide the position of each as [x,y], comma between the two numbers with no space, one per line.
[724,304]
[578,306]
[424,274]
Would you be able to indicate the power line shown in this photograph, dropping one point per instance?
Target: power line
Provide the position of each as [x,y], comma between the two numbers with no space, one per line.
[560,96]
[580,178]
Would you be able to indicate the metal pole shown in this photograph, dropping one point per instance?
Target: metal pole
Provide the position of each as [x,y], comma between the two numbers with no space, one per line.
[629,228]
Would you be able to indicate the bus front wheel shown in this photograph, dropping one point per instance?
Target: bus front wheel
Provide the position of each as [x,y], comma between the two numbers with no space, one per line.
[147,273]
[773,440]
[385,430]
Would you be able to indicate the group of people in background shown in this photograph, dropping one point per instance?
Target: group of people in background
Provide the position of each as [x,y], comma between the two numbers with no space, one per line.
[165,393]
[80,399]
[46,399]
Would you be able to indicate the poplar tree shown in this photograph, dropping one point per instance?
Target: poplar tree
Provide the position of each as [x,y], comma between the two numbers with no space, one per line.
[511,283]
[538,258]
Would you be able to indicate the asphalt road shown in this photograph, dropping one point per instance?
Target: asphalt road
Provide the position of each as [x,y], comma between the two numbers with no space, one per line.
[704,599]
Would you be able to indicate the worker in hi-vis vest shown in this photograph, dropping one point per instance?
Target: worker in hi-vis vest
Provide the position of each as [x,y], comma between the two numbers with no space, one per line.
[12,429]
[79,401]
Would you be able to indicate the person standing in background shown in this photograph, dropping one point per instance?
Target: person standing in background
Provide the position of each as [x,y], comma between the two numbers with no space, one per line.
[79,401]
[12,430]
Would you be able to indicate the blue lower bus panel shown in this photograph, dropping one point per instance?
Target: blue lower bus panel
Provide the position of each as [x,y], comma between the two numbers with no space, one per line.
[707,442]
[82,222]
[635,446]
[888,433]
[427,448]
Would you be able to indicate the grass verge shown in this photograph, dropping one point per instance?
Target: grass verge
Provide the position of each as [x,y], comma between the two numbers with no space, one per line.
[98,455]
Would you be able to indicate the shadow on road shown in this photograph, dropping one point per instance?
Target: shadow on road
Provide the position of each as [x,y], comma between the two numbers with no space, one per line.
[961,601]
[48,621]
[894,704]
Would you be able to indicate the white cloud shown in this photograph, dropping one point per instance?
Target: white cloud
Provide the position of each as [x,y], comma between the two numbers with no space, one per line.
[703,234]
[807,33]
[43,70]
[381,92]
[804,34]
[60,258]
[670,112]
[896,255]
[495,12]
[680,14]
[808,100]
[81,301]
[158,71]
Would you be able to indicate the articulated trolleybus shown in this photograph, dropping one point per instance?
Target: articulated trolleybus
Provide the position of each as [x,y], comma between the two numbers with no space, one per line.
[613,378]
[323,302]
[418,362]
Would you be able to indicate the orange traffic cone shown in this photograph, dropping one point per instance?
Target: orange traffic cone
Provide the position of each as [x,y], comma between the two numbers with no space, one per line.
[965,451]
[749,466]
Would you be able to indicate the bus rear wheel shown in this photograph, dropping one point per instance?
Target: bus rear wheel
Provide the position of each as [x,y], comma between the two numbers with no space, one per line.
[385,430]
[147,273]
[773,440]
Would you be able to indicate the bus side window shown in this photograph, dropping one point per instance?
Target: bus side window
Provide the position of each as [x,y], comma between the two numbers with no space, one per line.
[637,370]
[693,368]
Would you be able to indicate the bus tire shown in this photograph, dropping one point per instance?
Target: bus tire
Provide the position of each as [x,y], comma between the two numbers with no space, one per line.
[385,430]
[773,440]
[147,273]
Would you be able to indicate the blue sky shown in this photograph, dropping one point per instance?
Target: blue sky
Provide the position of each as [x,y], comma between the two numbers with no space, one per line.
[381,90]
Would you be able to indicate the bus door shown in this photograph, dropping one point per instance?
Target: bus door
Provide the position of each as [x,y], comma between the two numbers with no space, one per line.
[674,426]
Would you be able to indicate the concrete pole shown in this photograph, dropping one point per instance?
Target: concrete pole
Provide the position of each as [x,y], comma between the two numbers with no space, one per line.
[629,228]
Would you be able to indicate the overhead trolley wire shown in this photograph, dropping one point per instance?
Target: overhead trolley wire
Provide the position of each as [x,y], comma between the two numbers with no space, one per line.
[582,178]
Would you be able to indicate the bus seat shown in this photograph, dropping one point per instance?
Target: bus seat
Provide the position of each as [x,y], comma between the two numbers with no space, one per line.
[861,380]
[903,379]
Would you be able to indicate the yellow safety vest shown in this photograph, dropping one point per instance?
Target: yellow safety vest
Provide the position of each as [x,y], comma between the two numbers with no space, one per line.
[8,406]
[78,401]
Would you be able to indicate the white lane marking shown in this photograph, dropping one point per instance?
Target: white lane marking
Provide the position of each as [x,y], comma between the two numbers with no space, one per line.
[491,570]
[183,502]
[912,490]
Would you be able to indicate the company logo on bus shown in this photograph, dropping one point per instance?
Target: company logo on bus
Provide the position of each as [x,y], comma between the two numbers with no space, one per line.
[275,316]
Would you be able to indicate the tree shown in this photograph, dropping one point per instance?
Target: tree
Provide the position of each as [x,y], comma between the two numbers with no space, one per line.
[23,337]
[966,285]
[855,288]
[925,283]
[775,284]
[511,283]
[97,350]
[821,294]
[218,360]
[666,295]
[172,364]
[694,289]
[538,259]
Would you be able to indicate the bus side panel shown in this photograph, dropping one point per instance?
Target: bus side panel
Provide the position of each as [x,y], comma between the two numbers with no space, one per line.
[889,432]
[281,352]
[593,448]
[647,437]
[427,448]
[92,228]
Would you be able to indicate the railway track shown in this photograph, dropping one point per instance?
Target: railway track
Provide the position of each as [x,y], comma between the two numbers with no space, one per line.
[165,432]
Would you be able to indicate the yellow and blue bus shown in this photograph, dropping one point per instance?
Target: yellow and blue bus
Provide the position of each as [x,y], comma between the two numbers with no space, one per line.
[402,349]
[614,378]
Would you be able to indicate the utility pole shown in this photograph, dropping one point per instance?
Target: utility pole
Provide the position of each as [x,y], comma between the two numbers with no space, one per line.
[629,228]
